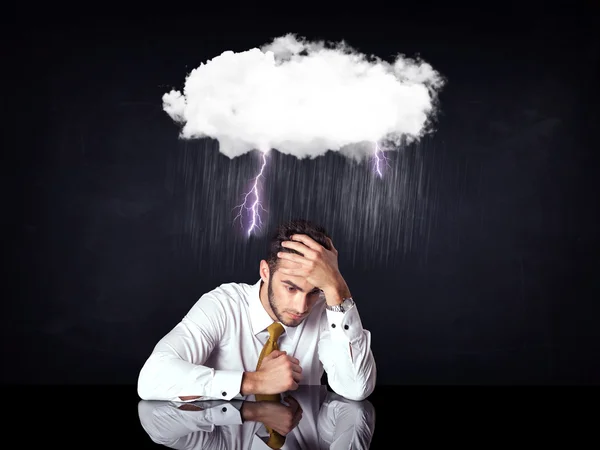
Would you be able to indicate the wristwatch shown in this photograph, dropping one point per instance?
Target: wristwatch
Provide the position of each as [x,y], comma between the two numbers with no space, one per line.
[342,307]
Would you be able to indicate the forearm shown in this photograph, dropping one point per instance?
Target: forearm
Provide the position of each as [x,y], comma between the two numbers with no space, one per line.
[337,292]
[170,425]
[165,376]
[175,370]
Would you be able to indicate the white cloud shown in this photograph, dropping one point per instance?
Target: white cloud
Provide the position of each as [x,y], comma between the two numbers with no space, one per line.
[305,98]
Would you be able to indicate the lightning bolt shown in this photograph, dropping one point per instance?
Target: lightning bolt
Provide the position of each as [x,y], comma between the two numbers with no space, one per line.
[252,203]
[379,158]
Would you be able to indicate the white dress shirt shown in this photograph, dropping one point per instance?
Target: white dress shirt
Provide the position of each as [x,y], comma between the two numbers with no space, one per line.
[223,334]
[329,421]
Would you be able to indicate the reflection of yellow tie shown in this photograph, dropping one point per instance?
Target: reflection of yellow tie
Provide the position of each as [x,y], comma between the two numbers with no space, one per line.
[276,440]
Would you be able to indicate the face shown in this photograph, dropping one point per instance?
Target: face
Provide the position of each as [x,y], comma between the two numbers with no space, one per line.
[291,298]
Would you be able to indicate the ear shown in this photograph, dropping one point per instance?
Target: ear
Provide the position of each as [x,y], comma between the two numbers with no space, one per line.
[264,271]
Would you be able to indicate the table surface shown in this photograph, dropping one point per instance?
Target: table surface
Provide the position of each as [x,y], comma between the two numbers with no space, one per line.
[392,417]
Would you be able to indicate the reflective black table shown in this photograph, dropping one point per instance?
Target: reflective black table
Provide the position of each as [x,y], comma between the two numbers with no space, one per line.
[309,418]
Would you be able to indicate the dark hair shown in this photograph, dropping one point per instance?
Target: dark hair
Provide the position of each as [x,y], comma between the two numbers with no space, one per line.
[287,229]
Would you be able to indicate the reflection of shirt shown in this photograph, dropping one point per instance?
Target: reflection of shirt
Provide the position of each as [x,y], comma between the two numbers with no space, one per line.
[328,422]
[222,336]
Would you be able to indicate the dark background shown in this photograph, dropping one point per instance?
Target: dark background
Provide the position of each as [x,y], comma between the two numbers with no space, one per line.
[114,227]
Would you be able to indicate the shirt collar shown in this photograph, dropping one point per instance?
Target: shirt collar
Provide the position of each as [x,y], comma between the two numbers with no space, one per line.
[259,317]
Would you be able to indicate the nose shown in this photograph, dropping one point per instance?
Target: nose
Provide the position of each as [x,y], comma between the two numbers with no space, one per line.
[301,304]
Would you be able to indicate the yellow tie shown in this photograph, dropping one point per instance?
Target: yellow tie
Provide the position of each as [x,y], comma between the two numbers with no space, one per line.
[275,330]
[276,440]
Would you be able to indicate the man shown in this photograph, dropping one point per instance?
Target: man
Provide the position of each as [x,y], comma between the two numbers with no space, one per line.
[297,321]
[309,418]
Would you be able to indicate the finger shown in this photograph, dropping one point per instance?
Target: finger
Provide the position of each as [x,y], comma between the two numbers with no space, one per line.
[295,364]
[293,272]
[293,360]
[300,247]
[280,426]
[333,249]
[288,423]
[274,354]
[292,402]
[297,417]
[306,240]
[288,263]
[285,424]
[297,376]
[292,258]
[282,431]
[285,261]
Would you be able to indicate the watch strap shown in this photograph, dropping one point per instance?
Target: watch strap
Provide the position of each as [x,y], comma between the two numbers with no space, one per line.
[346,304]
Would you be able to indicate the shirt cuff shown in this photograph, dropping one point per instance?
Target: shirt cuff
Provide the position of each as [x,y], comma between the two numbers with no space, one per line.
[225,414]
[345,326]
[226,384]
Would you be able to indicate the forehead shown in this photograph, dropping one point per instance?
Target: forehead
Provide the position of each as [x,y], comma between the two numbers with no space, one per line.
[301,282]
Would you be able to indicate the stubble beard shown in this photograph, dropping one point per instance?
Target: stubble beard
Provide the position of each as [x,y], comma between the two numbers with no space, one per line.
[276,311]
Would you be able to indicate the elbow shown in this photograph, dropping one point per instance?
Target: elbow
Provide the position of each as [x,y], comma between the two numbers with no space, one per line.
[358,395]
[146,382]
[355,386]
[143,390]
[356,392]
[361,390]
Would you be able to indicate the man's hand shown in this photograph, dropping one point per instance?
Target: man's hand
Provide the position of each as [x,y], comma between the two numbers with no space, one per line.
[278,373]
[275,415]
[317,265]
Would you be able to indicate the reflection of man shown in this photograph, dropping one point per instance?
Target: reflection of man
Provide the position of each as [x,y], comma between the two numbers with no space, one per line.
[310,418]
[296,322]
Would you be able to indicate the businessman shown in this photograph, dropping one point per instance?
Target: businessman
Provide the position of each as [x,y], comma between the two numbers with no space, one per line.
[310,418]
[285,330]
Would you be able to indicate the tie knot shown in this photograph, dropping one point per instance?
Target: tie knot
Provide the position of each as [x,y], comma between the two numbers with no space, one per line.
[275,330]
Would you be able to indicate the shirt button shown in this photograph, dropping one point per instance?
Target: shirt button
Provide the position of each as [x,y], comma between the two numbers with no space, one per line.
[224,409]
[346,327]
[333,325]
[224,394]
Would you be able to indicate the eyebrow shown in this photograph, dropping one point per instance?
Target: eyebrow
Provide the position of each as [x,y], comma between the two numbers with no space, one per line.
[298,287]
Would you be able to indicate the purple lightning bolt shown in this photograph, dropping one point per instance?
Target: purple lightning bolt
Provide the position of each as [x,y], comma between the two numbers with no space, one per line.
[252,202]
[379,158]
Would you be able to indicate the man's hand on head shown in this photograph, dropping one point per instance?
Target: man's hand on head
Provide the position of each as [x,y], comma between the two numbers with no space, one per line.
[316,264]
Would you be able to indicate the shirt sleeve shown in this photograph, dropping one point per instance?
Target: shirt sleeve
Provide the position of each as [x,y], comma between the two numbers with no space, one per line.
[189,426]
[344,424]
[345,352]
[175,367]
